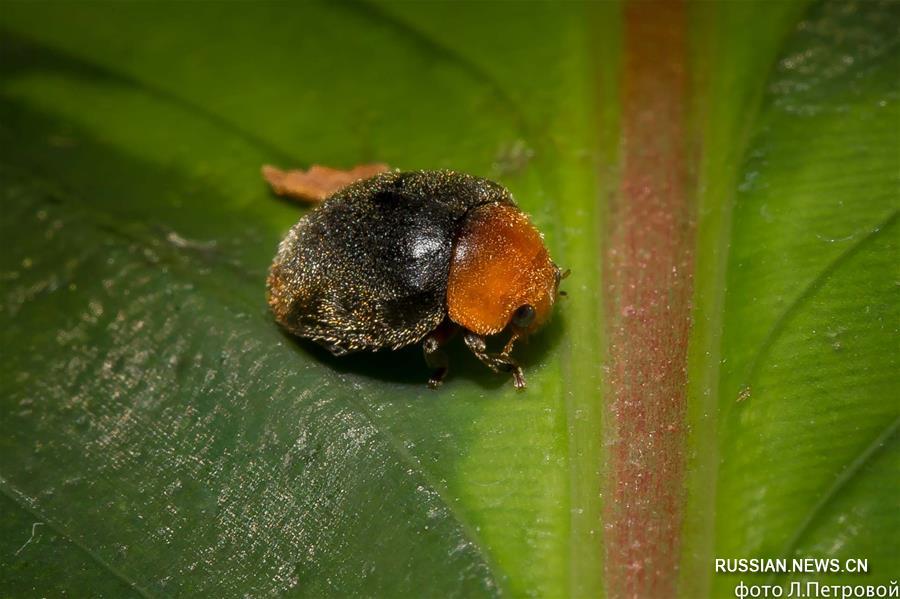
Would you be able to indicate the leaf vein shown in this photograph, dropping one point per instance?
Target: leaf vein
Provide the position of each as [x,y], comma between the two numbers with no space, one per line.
[17,497]
[808,293]
[852,471]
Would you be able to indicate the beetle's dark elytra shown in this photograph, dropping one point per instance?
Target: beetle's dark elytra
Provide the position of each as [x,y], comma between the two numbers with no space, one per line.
[368,269]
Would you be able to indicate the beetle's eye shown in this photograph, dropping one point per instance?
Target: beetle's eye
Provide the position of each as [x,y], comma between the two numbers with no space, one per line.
[523,316]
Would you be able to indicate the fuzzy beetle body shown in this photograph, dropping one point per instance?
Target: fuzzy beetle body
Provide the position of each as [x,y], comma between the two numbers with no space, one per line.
[406,257]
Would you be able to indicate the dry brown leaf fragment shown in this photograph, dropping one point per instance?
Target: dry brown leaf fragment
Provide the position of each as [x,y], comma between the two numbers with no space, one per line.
[318,182]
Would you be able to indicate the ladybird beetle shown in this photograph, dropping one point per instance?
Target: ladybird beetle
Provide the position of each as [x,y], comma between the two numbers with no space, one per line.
[410,257]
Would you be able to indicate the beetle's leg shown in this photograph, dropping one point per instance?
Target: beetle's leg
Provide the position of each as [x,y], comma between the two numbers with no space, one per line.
[434,355]
[437,361]
[507,349]
[318,182]
[501,362]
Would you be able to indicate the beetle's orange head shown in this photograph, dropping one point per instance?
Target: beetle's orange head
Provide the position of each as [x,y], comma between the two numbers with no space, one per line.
[500,274]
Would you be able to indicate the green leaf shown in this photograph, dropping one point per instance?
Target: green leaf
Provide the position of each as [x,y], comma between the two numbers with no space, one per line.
[155,415]
[796,370]
[809,398]
[160,436]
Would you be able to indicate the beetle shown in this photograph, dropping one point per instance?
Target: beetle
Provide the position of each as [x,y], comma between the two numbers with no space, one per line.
[396,258]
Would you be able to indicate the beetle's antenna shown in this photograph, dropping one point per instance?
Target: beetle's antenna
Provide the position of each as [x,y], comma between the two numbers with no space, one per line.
[560,275]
